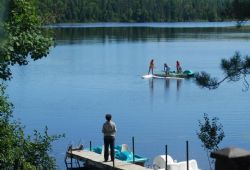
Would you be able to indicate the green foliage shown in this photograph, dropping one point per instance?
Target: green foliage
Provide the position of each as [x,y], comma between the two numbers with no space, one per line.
[18,151]
[204,79]
[5,106]
[3,10]
[24,37]
[60,11]
[235,68]
[37,149]
[7,131]
[241,9]
[232,67]
[211,134]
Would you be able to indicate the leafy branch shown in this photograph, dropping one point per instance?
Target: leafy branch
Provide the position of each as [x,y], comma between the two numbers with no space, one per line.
[234,69]
[24,37]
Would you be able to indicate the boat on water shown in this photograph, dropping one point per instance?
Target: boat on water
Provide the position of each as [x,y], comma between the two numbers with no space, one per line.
[171,74]
[184,74]
[123,153]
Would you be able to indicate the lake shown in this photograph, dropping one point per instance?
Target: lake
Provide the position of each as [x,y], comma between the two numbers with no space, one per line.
[97,69]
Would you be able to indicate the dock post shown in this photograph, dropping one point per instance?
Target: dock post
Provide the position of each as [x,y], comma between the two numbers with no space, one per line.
[133,146]
[166,154]
[187,155]
[90,145]
[113,157]
[71,158]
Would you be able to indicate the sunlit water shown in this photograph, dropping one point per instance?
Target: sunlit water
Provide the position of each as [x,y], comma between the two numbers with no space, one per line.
[93,71]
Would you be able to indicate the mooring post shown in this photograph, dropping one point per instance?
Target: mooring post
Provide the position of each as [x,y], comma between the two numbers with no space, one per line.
[113,155]
[71,157]
[133,146]
[90,145]
[166,154]
[187,155]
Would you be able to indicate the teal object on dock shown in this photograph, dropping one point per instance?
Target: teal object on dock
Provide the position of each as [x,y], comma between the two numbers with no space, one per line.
[123,155]
[98,150]
[128,156]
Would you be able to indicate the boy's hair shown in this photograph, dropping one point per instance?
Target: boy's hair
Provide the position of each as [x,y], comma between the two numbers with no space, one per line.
[108,117]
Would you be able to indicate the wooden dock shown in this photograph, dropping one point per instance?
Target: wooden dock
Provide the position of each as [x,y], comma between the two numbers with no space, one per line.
[97,161]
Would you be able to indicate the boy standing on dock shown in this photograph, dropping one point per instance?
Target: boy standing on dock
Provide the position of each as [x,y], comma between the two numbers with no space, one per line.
[109,130]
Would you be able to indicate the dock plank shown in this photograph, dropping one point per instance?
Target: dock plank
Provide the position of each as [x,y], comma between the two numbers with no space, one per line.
[97,160]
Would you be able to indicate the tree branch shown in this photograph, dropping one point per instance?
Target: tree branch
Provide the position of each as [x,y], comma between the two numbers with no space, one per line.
[234,68]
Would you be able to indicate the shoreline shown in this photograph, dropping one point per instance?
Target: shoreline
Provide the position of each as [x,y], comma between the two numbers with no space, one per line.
[224,24]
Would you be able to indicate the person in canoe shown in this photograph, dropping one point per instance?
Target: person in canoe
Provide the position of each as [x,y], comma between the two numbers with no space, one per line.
[178,67]
[151,67]
[166,68]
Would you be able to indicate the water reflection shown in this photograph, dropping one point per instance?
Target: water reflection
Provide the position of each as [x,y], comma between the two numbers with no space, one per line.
[151,87]
[131,34]
[178,84]
[167,84]
[151,84]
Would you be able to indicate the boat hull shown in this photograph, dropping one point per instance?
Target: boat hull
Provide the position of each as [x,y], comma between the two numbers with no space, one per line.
[173,75]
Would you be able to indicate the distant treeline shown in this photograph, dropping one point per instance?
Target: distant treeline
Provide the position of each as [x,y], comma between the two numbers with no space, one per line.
[134,10]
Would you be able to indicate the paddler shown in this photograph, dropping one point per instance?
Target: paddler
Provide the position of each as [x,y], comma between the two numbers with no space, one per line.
[151,67]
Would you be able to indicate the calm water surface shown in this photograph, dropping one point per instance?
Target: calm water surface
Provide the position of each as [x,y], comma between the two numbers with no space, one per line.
[92,71]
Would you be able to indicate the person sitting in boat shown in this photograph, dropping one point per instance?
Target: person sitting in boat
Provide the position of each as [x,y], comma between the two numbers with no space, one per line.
[166,68]
[151,67]
[178,67]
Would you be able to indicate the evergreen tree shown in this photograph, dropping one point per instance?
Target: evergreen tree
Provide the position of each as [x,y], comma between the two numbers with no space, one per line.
[235,69]
[135,10]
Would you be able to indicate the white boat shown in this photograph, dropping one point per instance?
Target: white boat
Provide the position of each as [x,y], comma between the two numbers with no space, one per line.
[159,163]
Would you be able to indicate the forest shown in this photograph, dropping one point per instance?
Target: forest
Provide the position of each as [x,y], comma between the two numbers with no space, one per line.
[63,11]
[68,11]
